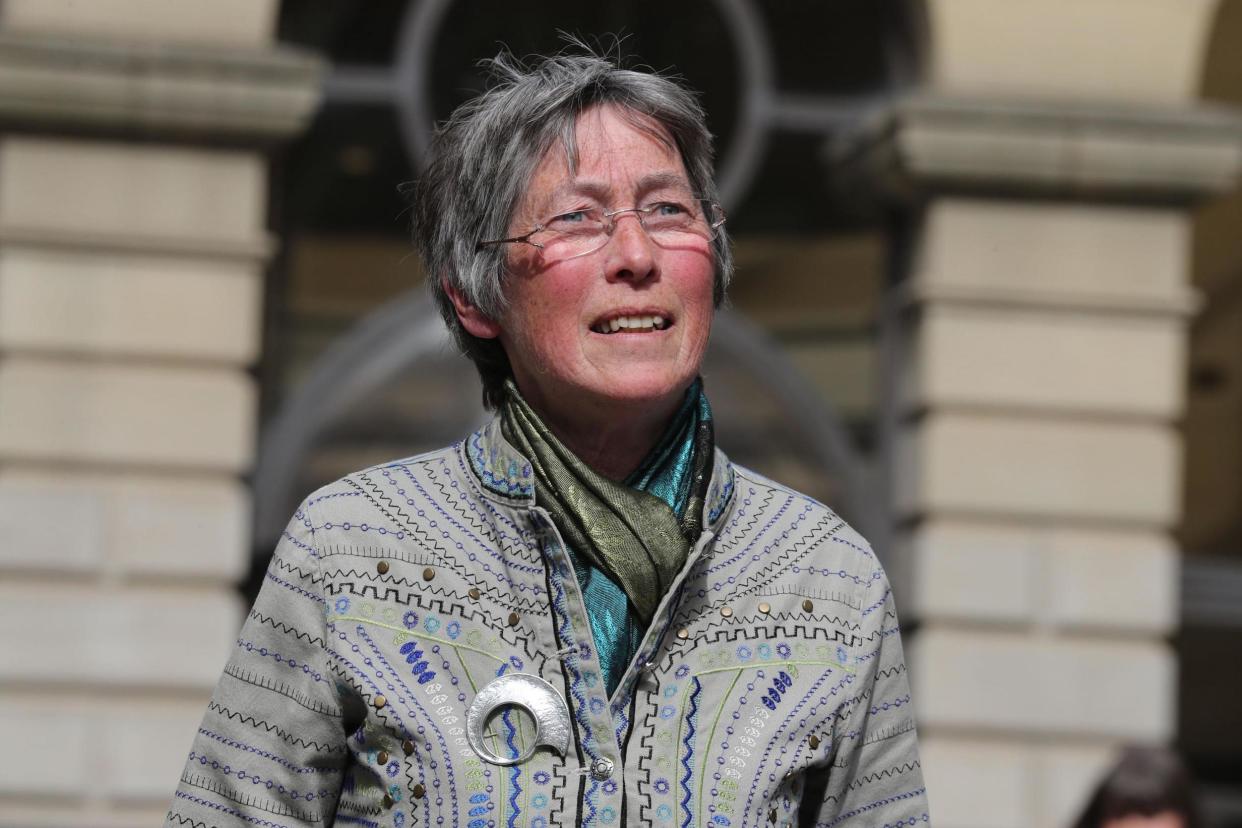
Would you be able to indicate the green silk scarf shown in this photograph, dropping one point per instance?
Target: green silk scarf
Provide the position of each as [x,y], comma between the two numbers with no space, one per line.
[627,540]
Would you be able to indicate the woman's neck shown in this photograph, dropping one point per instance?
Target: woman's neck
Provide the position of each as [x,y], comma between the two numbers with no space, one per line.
[612,441]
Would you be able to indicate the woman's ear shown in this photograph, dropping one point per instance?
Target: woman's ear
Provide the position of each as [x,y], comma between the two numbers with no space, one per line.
[472,319]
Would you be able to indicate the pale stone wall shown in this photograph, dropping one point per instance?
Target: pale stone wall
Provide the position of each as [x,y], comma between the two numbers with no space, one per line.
[1042,348]
[130,306]
[1042,471]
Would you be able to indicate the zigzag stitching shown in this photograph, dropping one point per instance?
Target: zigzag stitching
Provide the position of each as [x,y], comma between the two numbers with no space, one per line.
[871,806]
[784,727]
[358,808]
[730,535]
[646,749]
[184,820]
[758,539]
[759,479]
[533,564]
[207,784]
[406,696]
[799,632]
[872,636]
[889,672]
[282,582]
[760,581]
[753,628]
[412,588]
[292,568]
[687,743]
[783,558]
[556,580]
[271,728]
[286,628]
[443,556]
[374,493]
[261,681]
[233,743]
[773,521]
[324,794]
[417,591]
[470,513]
[408,770]
[466,472]
[810,541]
[406,521]
[356,820]
[366,487]
[218,807]
[515,789]
[867,779]
[451,609]
[307,669]
[623,723]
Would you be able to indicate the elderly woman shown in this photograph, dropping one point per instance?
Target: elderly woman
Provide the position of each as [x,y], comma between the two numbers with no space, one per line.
[583,613]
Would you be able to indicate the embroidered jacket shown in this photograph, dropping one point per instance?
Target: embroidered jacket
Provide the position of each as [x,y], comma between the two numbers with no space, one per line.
[769,690]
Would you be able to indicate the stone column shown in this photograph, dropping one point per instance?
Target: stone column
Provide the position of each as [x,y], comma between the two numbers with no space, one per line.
[133,192]
[1041,341]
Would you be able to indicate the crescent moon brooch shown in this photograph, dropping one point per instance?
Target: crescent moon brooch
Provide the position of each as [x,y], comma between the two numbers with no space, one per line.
[530,693]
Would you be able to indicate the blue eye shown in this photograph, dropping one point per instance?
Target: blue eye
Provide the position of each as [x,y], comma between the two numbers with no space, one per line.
[575,221]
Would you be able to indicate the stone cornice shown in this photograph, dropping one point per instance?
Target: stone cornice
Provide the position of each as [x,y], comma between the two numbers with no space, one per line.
[927,143]
[56,82]
[256,250]
[915,293]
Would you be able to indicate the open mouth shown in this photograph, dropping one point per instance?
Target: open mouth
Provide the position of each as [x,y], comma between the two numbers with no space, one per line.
[637,323]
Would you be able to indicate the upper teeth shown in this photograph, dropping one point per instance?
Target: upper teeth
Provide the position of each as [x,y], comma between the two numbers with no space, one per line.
[633,323]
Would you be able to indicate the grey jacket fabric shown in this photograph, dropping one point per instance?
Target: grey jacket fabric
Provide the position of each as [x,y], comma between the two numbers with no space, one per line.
[770,688]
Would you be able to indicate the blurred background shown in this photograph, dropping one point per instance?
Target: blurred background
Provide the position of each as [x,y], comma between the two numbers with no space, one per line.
[988,306]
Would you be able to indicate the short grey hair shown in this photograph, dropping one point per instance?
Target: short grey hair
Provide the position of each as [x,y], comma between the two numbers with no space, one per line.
[483,158]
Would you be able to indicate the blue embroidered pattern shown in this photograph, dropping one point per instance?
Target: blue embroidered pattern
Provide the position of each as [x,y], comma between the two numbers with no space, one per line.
[565,629]
[503,475]
[721,495]
[404,623]
[687,743]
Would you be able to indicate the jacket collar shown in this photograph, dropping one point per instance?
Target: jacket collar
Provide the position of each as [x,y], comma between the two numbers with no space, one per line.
[506,475]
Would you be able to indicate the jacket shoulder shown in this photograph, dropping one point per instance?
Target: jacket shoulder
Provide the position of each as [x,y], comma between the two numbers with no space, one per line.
[776,510]
[419,469]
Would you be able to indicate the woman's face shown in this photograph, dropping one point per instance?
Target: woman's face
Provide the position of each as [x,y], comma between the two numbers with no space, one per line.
[556,330]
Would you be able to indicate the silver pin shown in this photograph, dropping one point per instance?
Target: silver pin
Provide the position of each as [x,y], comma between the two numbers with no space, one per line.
[530,693]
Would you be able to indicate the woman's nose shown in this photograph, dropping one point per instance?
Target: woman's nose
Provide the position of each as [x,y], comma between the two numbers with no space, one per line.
[631,251]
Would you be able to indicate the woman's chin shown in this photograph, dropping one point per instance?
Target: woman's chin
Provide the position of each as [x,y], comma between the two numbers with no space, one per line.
[634,389]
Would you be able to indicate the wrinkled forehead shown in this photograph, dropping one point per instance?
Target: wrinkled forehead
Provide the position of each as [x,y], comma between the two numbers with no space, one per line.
[568,146]
[559,173]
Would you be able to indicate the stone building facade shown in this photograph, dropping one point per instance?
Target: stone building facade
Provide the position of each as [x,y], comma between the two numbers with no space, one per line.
[1050,168]
[133,246]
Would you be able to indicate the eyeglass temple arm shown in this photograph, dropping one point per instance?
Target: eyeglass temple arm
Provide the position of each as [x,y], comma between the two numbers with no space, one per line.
[515,240]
